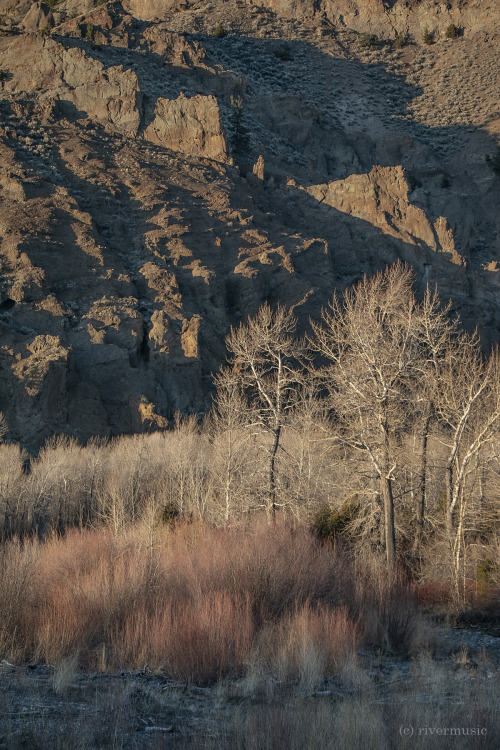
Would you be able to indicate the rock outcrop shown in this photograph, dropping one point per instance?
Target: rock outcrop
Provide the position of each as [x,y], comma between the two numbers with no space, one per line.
[38,18]
[382,199]
[68,76]
[386,19]
[189,125]
[38,386]
[149,10]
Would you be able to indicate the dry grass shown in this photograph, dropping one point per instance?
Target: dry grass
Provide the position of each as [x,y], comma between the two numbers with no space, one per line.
[374,718]
[103,711]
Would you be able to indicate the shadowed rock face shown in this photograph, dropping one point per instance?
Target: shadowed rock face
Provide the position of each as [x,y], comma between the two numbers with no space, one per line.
[159,182]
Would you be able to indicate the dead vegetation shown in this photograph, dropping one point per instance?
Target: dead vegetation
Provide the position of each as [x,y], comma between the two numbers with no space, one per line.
[198,603]
[394,428]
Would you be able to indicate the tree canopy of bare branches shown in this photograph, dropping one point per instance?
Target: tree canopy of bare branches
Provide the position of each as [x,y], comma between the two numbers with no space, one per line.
[369,338]
[264,354]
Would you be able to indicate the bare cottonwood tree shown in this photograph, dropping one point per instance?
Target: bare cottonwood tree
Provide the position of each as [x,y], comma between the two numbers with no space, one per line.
[226,426]
[307,467]
[370,339]
[468,407]
[264,352]
[435,330]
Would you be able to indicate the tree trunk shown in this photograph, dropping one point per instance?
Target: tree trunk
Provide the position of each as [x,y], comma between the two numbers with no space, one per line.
[449,500]
[387,499]
[272,470]
[420,506]
[390,535]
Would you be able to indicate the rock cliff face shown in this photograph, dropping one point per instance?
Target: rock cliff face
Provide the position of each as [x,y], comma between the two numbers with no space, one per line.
[386,17]
[65,77]
[191,126]
[159,181]
[381,198]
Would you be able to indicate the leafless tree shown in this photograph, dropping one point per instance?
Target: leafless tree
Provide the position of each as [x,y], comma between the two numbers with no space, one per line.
[435,330]
[468,407]
[468,404]
[227,426]
[370,340]
[264,353]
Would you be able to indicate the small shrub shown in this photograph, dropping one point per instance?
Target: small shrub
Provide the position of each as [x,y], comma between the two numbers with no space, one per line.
[445,181]
[89,32]
[388,615]
[64,674]
[452,31]
[52,3]
[369,41]
[97,40]
[3,75]
[428,36]
[327,523]
[310,642]
[400,41]
[219,31]
[46,30]
[398,617]
[283,53]
[494,161]
[169,513]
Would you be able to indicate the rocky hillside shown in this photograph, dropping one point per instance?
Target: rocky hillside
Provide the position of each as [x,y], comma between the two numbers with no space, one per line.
[167,165]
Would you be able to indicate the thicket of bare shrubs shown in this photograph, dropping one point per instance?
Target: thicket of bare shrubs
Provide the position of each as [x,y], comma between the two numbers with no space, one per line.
[197,602]
[197,472]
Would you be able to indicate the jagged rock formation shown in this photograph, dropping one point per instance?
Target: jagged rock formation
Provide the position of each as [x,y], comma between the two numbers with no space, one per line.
[381,198]
[110,95]
[38,18]
[191,126]
[159,182]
